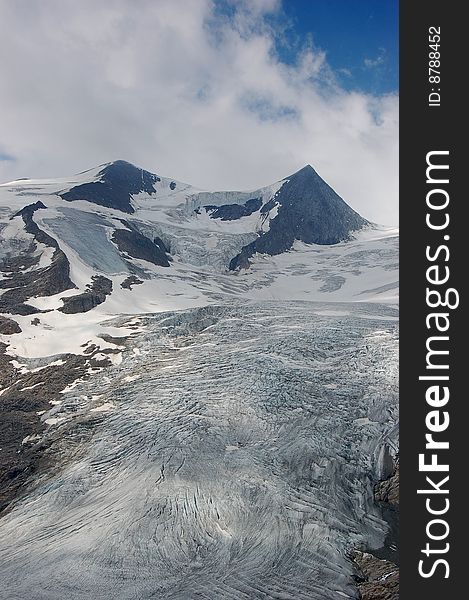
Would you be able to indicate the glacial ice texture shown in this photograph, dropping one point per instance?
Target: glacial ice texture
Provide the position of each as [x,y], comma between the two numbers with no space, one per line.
[234,459]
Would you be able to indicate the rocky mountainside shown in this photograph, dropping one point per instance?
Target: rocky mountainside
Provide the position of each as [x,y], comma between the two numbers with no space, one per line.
[198,391]
[114,186]
[119,222]
[309,211]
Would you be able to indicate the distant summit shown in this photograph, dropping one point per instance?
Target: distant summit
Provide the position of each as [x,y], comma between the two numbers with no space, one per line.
[308,210]
[114,186]
[130,218]
[117,237]
[304,207]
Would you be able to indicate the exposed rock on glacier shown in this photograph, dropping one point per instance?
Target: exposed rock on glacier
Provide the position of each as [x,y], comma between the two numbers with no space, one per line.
[25,276]
[94,295]
[8,326]
[388,489]
[230,212]
[377,579]
[138,246]
[130,281]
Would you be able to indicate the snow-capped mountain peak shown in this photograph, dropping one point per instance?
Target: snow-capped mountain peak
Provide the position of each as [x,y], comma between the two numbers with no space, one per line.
[118,238]
[182,370]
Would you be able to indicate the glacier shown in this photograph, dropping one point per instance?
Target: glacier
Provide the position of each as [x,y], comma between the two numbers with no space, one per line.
[234,458]
[224,429]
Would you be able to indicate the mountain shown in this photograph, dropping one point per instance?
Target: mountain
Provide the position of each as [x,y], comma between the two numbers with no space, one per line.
[308,210]
[114,186]
[123,224]
[198,389]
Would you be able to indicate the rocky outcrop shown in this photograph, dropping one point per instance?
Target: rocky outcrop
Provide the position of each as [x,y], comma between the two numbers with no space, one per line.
[46,281]
[310,211]
[388,490]
[130,281]
[94,295]
[376,579]
[386,495]
[117,182]
[26,395]
[7,371]
[23,278]
[26,452]
[231,212]
[137,245]
[8,326]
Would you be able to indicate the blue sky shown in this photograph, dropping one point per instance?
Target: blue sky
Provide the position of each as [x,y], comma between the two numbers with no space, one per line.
[360,38]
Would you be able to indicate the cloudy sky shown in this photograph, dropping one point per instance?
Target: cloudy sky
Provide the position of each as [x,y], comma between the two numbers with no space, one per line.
[221,94]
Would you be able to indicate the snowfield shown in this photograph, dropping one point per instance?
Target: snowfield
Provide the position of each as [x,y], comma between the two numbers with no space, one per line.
[364,269]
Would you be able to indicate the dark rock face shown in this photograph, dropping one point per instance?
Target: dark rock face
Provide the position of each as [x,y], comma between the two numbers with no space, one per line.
[310,211]
[388,490]
[386,494]
[172,185]
[26,451]
[28,211]
[46,281]
[8,326]
[138,246]
[162,246]
[96,293]
[377,574]
[376,579]
[130,281]
[19,418]
[231,212]
[41,282]
[119,180]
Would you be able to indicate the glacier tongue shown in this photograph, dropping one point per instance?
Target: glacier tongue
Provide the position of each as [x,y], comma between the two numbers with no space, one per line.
[234,459]
[215,433]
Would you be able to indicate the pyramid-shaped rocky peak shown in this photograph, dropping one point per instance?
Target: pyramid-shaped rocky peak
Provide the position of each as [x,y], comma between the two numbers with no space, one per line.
[308,210]
[114,186]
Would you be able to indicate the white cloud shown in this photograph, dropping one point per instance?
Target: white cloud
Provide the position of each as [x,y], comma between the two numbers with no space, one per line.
[181,90]
[371,63]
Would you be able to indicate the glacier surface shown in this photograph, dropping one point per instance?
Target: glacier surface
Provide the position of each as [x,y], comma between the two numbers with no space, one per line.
[230,455]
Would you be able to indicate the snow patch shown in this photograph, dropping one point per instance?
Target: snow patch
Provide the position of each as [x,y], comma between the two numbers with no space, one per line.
[103,407]
[54,420]
[31,387]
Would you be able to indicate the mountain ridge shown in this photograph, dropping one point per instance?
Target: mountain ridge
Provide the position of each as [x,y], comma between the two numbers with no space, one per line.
[295,240]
